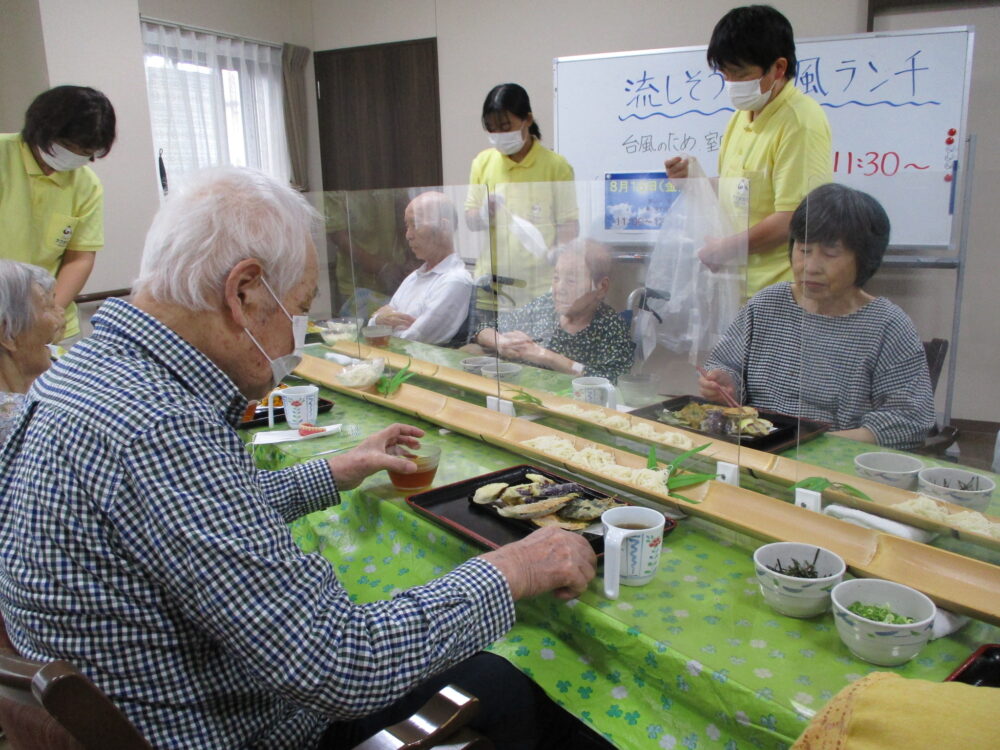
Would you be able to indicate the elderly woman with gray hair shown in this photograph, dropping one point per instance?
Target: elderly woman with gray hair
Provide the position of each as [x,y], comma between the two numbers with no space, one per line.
[29,320]
[821,347]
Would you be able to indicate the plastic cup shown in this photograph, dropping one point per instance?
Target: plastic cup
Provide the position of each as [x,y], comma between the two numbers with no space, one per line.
[377,335]
[301,404]
[426,457]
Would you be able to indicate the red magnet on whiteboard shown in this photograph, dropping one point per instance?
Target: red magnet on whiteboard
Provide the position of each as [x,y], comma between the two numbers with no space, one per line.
[949,141]
[947,178]
[952,131]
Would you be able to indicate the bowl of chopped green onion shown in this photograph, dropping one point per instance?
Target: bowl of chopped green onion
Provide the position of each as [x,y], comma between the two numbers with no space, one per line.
[796,579]
[882,622]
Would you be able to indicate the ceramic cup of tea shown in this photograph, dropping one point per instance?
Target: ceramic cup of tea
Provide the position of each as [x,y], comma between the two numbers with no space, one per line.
[426,457]
[632,539]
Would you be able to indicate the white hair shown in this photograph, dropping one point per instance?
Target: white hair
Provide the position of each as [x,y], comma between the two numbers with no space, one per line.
[17,310]
[217,218]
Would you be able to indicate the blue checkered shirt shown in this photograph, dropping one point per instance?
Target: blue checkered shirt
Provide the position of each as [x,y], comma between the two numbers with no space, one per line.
[139,542]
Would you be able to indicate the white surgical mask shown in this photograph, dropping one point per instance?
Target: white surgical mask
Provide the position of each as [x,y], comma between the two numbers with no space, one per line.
[282,367]
[507,143]
[746,95]
[62,159]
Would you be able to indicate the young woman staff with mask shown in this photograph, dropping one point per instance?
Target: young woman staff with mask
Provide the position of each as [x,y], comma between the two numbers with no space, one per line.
[526,221]
[777,146]
[51,202]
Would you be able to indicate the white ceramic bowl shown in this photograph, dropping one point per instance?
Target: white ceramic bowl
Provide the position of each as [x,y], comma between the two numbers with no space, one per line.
[889,468]
[943,482]
[507,371]
[475,365]
[791,596]
[878,642]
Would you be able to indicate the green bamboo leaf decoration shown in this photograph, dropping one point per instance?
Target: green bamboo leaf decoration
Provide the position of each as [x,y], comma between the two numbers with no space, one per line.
[524,397]
[819,484]
[388,386]
[651,458]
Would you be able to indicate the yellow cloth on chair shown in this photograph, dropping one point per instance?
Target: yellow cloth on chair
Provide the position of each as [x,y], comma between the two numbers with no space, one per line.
[884,710]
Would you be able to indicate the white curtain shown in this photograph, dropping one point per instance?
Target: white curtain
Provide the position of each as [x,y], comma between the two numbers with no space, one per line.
[214,100]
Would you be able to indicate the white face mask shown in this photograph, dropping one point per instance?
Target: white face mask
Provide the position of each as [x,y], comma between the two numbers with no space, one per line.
[282,367]
[507,143]
[746,95]
[62,159]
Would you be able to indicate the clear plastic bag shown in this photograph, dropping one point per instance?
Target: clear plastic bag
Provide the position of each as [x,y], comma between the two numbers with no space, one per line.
[702,302]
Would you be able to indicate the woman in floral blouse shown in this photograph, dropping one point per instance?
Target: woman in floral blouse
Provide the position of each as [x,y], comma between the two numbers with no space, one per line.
[570,329]
[29,320]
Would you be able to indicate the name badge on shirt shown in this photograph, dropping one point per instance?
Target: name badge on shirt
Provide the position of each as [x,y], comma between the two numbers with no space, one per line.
[741,196]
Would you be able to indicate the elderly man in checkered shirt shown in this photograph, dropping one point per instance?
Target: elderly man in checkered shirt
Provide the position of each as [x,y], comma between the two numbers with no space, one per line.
[139,542]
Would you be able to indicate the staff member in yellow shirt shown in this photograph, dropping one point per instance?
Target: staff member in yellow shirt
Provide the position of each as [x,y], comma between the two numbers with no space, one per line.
[777,146]
[51,203]
[526,221]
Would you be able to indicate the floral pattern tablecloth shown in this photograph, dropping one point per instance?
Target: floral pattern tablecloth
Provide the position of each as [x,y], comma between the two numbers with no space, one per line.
[695,659]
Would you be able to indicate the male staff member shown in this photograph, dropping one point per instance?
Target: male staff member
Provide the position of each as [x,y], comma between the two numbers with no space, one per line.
[776,148]
[139,542]
[433,301]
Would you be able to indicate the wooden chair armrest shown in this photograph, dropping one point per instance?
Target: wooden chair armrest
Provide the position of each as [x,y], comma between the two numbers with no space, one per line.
[440,723]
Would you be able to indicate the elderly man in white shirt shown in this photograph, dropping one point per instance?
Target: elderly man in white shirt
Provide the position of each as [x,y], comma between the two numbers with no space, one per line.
[433,301]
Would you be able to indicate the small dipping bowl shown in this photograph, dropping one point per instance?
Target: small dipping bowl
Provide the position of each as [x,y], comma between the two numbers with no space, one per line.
[335,330]
[475,365]
[506,371]
[879,642]
[426,457]
[889,468]
[792,596]
[377,335]
[945,483]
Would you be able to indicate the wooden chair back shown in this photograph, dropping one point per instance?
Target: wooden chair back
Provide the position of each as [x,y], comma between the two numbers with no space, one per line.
[55,706]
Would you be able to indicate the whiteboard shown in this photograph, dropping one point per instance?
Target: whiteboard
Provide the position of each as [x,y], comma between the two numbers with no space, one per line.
[897,103]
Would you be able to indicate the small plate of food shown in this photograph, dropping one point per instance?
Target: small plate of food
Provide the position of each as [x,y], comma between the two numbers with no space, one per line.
[498,508]
[746,425]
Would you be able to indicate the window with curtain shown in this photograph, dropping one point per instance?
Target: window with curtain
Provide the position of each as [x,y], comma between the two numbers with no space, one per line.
[214,100]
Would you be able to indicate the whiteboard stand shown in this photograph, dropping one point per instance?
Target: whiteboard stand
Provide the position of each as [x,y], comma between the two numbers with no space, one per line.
[956,262]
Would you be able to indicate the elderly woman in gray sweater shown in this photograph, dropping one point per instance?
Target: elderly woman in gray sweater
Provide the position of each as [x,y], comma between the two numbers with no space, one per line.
[30,319]
[821,347]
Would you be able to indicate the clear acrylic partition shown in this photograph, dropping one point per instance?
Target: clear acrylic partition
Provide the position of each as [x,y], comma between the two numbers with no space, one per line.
[604,281]
[865,354]
[401,265]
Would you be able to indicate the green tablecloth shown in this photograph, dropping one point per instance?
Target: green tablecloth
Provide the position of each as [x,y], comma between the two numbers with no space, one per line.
[694,659]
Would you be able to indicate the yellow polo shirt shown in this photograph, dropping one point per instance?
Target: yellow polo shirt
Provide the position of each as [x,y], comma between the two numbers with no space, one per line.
[538,189]
[777,158]
[43,216]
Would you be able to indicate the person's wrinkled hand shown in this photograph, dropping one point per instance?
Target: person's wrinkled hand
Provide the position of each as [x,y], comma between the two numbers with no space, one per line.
[716,385]
[372,455]
[508,344]
[549,559]
[676,168]
[394,319]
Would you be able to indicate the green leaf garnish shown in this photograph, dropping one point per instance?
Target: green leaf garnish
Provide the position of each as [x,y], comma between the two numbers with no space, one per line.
[521,395]
[686,480]
[651,458]
[819,484]
[388,386]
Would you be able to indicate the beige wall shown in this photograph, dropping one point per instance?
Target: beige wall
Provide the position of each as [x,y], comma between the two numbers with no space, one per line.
[929,295]
[103,50]
[23,70]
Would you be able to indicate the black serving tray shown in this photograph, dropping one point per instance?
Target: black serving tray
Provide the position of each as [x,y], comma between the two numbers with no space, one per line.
[451,506]
[260,414]
[981,669]
[787,433]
